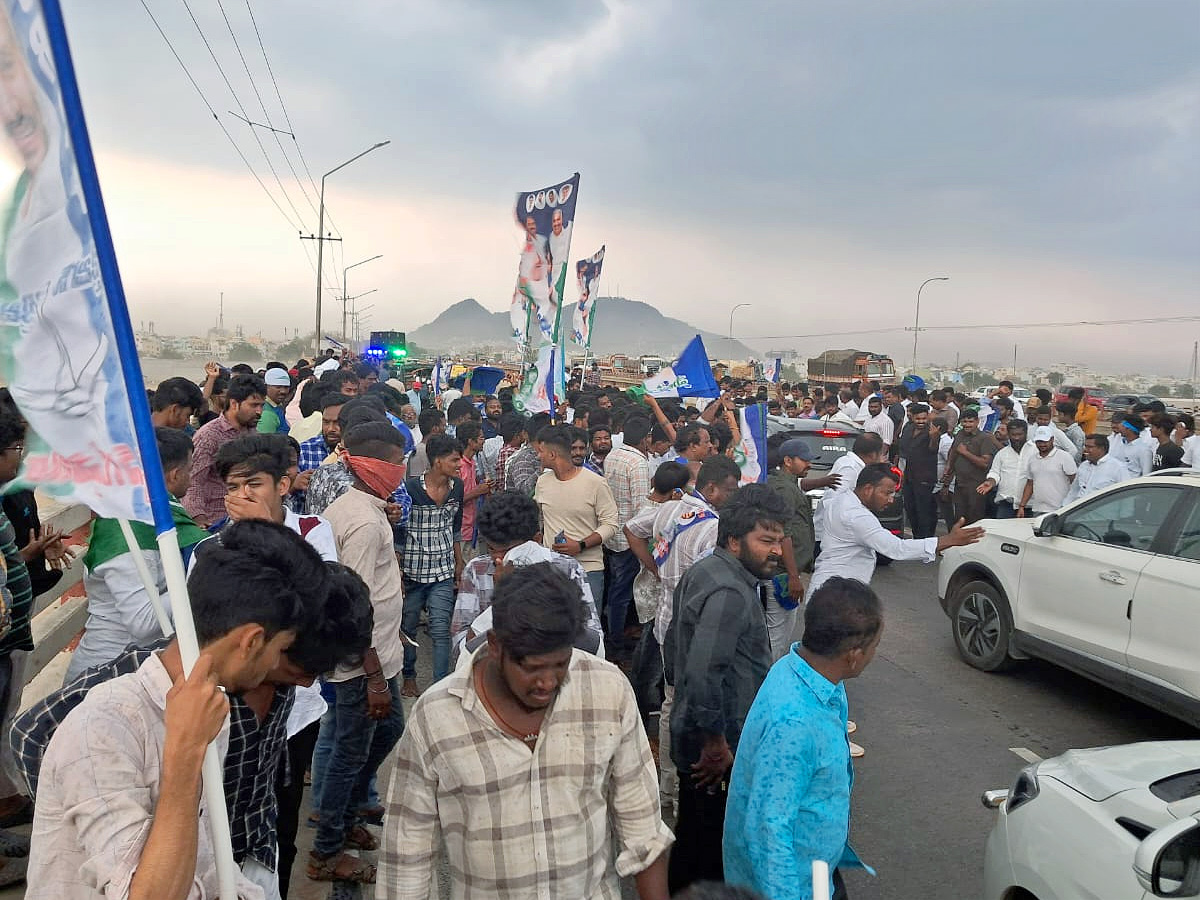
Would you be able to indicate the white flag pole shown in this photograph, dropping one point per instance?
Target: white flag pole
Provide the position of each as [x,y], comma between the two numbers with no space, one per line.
[820,876]
[148,581]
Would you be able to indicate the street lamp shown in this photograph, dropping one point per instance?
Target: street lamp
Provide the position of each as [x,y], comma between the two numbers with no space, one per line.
[917,318]
[356,312]
[321,232]
[345,292]
[731,312]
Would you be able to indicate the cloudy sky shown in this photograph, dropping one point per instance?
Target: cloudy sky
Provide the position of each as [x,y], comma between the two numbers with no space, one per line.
[815,159]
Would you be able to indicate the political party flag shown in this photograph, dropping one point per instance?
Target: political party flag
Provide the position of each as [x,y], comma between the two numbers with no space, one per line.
[587,273]
[67,349]
[771,370]
[547,217]
[438,377]
[691,376]
[751,453]
[536,392]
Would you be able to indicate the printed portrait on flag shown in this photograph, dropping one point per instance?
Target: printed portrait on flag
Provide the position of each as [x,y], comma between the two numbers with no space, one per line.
[57,346]
[587,274]
[547,217]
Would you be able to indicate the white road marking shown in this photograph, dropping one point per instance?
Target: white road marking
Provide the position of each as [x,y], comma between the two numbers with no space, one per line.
[1026,754]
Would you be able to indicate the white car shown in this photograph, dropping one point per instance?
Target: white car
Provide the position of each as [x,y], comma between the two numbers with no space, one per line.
[1112,823]
[1108,587]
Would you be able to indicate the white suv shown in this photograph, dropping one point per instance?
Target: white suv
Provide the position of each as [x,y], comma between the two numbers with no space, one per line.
[1115,823]
[1108,587]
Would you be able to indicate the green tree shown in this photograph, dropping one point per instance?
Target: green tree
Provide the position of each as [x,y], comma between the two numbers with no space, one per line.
[170,353]
[241,350]
[1056,379]
[299,348]
[1160,390]
[978,379]
[1185,391]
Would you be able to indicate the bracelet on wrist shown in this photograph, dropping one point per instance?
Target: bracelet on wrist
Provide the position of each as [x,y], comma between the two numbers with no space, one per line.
[384,691]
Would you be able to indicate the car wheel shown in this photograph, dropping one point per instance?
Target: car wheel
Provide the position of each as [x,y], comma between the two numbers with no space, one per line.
[982,624]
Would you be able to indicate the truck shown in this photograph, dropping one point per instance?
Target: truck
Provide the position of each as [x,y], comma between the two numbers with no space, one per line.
[848,367]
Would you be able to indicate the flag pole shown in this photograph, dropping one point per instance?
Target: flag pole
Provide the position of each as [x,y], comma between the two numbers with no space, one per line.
[164,526]
[139,563]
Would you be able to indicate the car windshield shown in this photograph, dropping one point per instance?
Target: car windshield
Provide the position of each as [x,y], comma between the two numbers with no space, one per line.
[826,446]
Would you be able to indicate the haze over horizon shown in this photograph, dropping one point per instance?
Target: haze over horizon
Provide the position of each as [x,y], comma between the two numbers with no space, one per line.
[816,160]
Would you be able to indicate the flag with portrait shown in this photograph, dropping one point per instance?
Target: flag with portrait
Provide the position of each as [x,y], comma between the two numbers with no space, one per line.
[587,274]
[547,218]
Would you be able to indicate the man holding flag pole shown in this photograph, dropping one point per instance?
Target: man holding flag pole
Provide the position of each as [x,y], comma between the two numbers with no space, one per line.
[62,287]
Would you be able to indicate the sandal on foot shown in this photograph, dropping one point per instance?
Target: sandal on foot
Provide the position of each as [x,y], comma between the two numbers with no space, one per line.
[352,869]
[857,751]
[358,838]
[371,815]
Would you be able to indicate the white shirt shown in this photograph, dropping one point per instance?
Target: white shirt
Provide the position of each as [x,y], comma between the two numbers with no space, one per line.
[1093,477]
[1051,476]
[1136,455]
[1008,469]
[1190,457]
[309,705]
[1018,409]
[330,365]
[850,408]
[883,426]
[853,535]
[849,466]
[944,445]
[1064,442]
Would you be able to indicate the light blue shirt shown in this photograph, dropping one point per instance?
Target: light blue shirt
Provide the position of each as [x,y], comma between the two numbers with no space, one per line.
[789,795]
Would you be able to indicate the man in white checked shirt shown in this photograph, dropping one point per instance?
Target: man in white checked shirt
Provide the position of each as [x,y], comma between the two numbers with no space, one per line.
[529,763]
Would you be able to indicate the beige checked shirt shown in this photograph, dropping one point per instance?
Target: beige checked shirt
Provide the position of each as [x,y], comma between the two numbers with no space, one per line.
[628,475]
[518,824]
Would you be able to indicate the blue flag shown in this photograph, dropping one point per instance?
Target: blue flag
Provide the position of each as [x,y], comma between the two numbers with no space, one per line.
[751,453]
[691,376]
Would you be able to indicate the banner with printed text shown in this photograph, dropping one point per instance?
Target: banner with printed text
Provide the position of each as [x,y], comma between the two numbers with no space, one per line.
[547,217]
[58,351]
[587,274]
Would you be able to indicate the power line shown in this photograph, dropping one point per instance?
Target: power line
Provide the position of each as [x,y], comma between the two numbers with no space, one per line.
[204,99]
[238,101]
[901,328]
[288,119]
[261,105]
[217,118]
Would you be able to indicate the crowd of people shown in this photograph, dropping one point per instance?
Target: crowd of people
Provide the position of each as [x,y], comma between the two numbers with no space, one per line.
[607,612]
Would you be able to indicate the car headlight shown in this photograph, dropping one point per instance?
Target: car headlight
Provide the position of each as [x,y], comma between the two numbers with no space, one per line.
[1025,788]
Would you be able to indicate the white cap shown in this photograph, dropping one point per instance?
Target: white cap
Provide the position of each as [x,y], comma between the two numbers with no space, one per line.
[277,377]
[1043,433]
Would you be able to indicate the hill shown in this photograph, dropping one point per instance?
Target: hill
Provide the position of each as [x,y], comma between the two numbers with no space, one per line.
[621,326]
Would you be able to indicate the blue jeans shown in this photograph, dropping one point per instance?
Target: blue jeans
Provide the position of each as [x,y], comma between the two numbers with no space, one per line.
[360,745]
[621,567]
[595,581]
[438,596]
[320,760]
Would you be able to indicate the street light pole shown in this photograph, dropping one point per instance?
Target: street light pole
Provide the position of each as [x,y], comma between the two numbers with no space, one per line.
[321,232]
[731,312]
[917,318]
[346,292]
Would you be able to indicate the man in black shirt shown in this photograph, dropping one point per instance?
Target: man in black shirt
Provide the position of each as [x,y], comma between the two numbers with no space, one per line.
[919,447]
[1167,454]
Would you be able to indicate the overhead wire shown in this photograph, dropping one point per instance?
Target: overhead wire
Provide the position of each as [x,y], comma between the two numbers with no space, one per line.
[238,101]
[216,118]
[975,327]
[288,121]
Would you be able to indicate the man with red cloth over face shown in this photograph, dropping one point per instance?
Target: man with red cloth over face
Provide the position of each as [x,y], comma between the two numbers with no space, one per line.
[368,718]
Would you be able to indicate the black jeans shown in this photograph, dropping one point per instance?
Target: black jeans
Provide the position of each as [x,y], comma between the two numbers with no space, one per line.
[699,828]
[920,505]
[289,792]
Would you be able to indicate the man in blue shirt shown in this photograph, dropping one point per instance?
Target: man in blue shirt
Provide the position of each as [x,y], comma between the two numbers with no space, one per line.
[789,795]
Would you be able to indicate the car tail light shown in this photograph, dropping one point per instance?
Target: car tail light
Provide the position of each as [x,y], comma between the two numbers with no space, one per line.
[1025,788]
[832,432]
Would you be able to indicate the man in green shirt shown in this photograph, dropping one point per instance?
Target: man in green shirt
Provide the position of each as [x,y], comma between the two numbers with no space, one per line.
[279,388]
[789,463]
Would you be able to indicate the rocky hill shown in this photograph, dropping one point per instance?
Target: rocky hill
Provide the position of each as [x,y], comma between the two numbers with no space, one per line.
[621,326]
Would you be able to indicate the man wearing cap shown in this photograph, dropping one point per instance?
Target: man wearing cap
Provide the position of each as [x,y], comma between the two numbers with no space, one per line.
[789,465]
[1048,476]
[279,386]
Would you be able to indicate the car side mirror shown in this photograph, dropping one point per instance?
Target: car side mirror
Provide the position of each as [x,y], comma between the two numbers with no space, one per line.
[1167,861]
[1048,525]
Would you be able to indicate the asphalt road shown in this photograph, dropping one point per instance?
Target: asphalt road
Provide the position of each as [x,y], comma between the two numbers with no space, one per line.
[938,733]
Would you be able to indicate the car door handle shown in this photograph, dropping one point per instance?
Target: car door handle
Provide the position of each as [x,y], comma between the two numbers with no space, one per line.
[1113,576]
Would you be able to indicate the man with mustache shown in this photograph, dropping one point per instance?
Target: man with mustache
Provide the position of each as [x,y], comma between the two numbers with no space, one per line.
[717,654]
